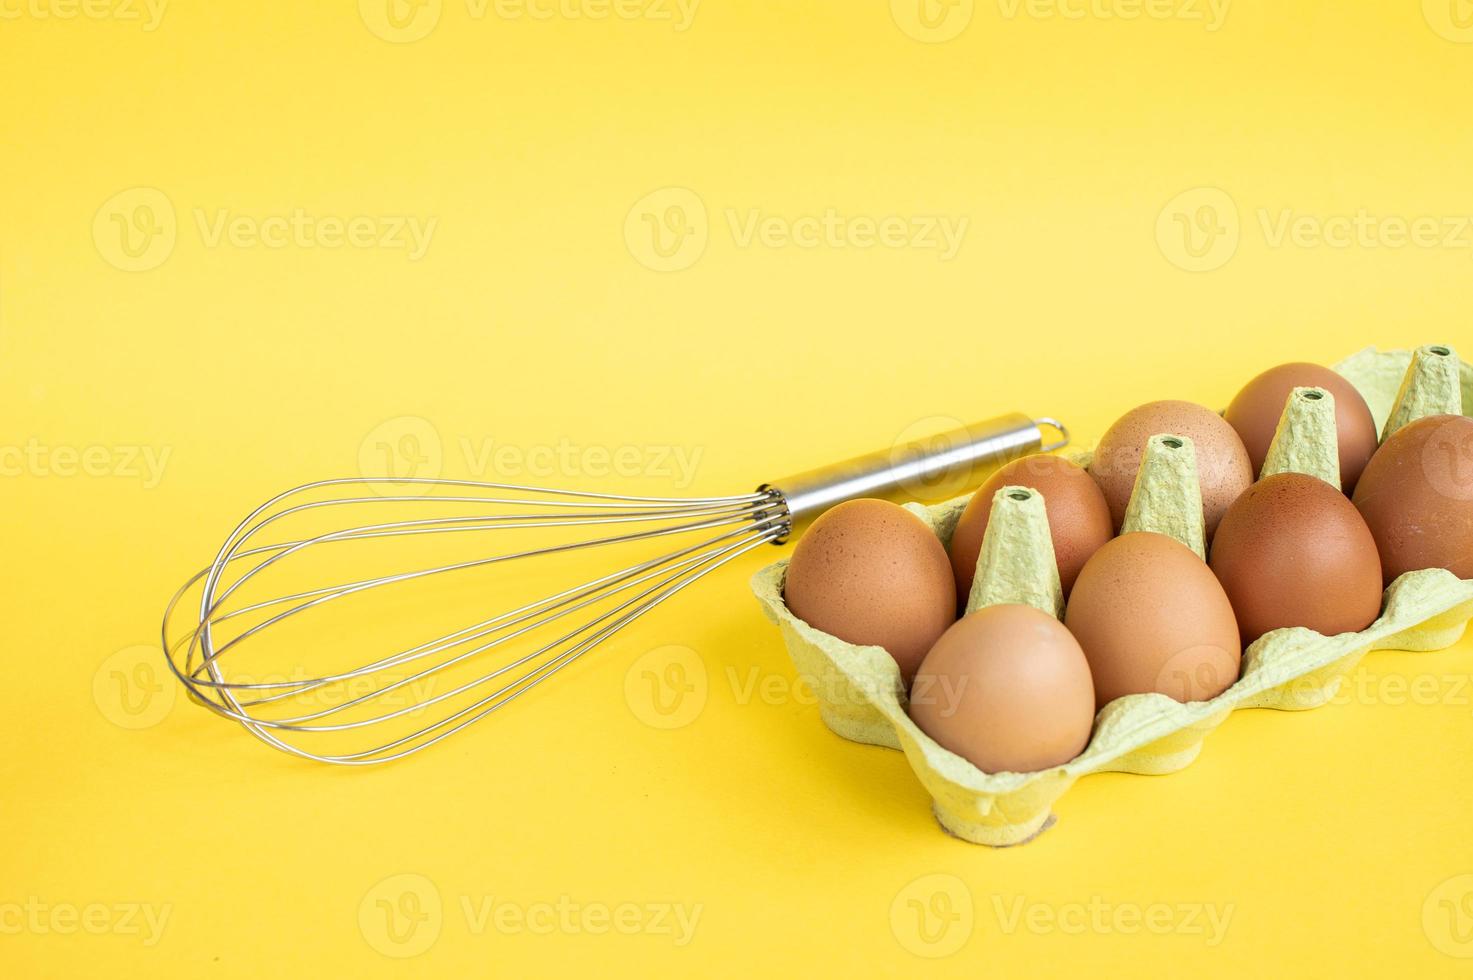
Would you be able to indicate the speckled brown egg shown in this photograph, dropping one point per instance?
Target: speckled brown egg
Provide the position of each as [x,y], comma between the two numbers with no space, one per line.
[1223,467]
[1417,497]
[1151,617]
[1293,551]
[1256,410]
[1078,517]
[871,572]
[1008,689]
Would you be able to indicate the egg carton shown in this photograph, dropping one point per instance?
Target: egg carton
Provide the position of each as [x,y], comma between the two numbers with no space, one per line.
[862,698]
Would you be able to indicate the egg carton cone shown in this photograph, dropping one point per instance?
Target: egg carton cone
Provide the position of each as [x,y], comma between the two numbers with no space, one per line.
[861,696]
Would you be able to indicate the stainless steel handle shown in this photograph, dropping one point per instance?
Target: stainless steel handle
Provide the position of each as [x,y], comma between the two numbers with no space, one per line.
[913,470]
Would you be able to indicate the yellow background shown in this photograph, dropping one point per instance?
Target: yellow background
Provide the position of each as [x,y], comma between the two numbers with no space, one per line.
[533,318]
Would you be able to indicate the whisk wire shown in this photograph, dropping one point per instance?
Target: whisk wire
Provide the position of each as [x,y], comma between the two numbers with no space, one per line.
[743,522]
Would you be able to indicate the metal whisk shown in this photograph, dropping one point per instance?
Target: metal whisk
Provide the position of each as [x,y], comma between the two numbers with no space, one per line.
[406,700]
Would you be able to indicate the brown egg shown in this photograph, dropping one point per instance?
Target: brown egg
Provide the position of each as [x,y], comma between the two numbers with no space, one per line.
[1223,467]
[1256,410]
[1078,517]
[1417,497]
[1293,551]
[1151,616]
[1008,689]
[871,572]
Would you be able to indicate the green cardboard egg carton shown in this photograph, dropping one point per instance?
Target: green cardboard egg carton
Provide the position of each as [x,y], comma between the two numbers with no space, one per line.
[861,696]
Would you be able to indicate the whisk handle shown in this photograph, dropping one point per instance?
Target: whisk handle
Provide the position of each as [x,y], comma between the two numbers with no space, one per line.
[927,469]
